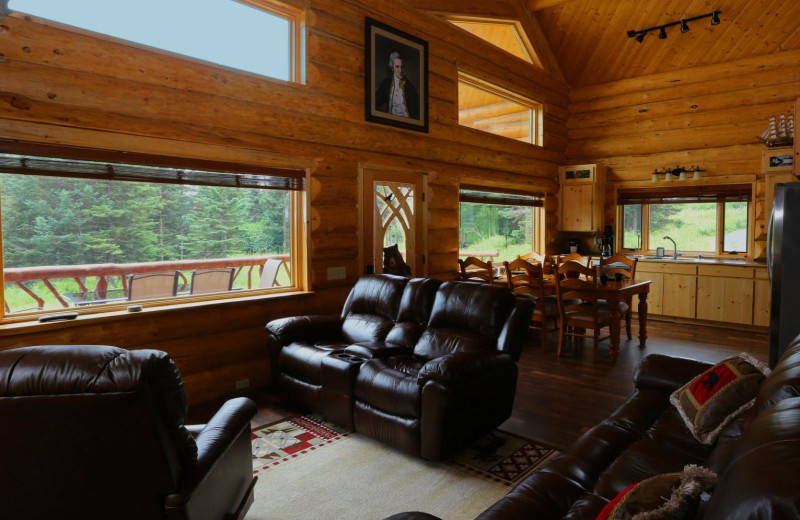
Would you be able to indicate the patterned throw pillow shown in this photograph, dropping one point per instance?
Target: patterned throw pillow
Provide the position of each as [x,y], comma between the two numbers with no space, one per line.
[711,400]
[663,497]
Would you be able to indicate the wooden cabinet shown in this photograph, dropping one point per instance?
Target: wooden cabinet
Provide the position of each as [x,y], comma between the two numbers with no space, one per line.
[723,293]
[582,197]
[762,298]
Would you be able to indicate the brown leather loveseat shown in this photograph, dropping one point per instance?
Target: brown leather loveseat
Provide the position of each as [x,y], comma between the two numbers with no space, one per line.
[97,432]
[756,456]
[420,365]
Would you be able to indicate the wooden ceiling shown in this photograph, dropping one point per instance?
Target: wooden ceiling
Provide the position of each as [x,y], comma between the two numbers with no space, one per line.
[589,37]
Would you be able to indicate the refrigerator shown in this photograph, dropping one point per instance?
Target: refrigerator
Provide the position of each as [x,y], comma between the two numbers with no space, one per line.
[783,264]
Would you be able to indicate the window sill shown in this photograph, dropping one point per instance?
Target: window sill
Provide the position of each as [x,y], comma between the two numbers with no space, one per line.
[11,328]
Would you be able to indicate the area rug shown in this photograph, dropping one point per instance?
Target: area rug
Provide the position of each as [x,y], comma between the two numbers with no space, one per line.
[308,468]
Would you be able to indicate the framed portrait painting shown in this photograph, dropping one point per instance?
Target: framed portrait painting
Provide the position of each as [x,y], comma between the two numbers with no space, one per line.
[396,82]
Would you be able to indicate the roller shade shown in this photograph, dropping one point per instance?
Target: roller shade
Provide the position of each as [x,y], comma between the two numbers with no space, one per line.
[684,194]
[501,198]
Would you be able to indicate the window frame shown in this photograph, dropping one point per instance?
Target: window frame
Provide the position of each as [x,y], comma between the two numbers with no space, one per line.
[719,252]
[538,216]
[536,119]
[296,16]
[298,211]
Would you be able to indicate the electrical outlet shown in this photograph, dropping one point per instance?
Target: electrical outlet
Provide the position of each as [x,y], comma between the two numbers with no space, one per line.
[337,273]
[242,384]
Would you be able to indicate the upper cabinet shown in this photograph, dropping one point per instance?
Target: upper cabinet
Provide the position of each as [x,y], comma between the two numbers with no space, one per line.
[582,197]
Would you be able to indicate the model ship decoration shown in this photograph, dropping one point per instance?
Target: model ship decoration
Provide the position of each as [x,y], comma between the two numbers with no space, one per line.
[779,131]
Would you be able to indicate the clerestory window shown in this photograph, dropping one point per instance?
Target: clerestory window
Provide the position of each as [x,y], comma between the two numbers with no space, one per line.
[260,36]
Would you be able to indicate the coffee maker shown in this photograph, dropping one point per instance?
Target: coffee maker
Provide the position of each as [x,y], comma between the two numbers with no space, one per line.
[606,243]
[573,245]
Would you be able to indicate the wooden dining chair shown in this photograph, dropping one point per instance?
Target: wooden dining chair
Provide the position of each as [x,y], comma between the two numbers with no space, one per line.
[142,286]
[574,257]
[578,305]
[529,281]
[534,257]
[618,264]
[212,280]
[474,270]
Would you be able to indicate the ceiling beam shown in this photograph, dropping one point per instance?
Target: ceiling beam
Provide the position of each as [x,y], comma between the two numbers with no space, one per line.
[488,8]
[538,5]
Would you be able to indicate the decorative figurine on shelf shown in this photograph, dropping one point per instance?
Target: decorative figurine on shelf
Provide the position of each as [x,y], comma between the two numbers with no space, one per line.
[393,262]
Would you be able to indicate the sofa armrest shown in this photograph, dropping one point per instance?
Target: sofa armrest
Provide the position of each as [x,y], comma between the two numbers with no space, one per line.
[462,366]
[667,372]
[287,330]
[378,350]
[221,479]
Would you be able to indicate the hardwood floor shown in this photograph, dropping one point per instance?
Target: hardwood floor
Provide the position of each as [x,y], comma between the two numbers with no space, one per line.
[559,398]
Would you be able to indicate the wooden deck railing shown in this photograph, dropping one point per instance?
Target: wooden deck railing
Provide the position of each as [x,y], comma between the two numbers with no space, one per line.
[101,273]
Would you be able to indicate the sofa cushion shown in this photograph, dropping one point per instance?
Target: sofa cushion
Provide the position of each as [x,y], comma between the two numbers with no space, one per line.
[667,496]
[371,308]
[390,385]
[303,360]
[717,396]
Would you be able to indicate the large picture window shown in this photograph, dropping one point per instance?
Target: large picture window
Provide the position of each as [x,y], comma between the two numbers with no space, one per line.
[701,219]
[259,36]
[78,234]
[499,225]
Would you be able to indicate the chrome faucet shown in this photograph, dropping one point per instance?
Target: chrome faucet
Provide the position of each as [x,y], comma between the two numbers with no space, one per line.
[675,246]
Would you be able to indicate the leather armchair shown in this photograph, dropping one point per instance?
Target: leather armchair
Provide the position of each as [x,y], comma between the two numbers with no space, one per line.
[97,432]
[459,381]
[299,343]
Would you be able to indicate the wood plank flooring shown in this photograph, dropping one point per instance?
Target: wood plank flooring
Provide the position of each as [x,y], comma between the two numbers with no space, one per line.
[559,398]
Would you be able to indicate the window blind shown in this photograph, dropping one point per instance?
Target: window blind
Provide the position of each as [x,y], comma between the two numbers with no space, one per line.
[504,198]
[684,194]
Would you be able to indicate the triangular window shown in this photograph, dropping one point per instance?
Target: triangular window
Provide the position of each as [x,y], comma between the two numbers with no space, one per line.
[506,34]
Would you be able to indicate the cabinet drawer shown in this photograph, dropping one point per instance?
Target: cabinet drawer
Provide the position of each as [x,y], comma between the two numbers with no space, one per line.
[665,267]
[727,271]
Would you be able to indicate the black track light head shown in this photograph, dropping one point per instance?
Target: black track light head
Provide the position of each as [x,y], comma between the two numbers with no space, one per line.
[662,33]
[640,38]
[662,29]
[715,18]
[631,33]
[684,26]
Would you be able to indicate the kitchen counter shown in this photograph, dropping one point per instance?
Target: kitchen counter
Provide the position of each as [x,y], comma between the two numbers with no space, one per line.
[701,261]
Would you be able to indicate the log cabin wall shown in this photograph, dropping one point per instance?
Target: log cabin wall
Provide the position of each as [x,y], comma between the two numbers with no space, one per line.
[66,86]
[708,116]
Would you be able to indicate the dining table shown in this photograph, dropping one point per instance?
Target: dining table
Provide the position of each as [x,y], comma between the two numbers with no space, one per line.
[613,292]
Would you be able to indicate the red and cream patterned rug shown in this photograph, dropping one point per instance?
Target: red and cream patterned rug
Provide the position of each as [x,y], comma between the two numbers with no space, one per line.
[502,457]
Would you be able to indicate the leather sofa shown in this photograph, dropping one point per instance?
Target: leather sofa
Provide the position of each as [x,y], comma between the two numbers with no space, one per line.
[420,365]
[97,432]
[757,456]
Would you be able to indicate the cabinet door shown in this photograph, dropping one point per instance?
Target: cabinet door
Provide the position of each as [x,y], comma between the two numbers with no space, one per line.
[576,207]
[762,299]
[655,298]
[680,295]
[725,299]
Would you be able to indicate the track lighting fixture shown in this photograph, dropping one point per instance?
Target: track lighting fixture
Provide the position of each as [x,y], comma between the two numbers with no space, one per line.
[662,29]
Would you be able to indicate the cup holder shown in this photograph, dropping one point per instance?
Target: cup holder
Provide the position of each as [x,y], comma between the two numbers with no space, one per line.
[347,357]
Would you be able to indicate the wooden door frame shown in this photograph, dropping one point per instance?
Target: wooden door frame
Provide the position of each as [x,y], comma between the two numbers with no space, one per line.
[367,174]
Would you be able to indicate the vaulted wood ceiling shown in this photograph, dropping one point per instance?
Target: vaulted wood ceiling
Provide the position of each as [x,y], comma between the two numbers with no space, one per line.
[589,41]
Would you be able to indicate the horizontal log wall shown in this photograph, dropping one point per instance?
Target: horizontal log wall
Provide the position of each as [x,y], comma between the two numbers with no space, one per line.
[708,116]
[66,86]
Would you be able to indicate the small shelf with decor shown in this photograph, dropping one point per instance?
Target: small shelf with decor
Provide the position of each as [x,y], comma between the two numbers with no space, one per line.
[582,197]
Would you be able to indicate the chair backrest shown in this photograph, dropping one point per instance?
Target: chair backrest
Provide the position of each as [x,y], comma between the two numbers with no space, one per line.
[474,269]
[371,308]
[91,421]
[142,286]
[525,278]
[619,264]
[467,317]
[574,257]
[534,257]
[270,273]
[212,280]
[574,292]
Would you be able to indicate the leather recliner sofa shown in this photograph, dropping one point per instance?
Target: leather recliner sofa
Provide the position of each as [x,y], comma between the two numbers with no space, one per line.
[420,365]
[97,432]
[756,456]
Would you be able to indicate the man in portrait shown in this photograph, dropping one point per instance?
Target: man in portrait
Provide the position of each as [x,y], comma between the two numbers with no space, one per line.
[396,94]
